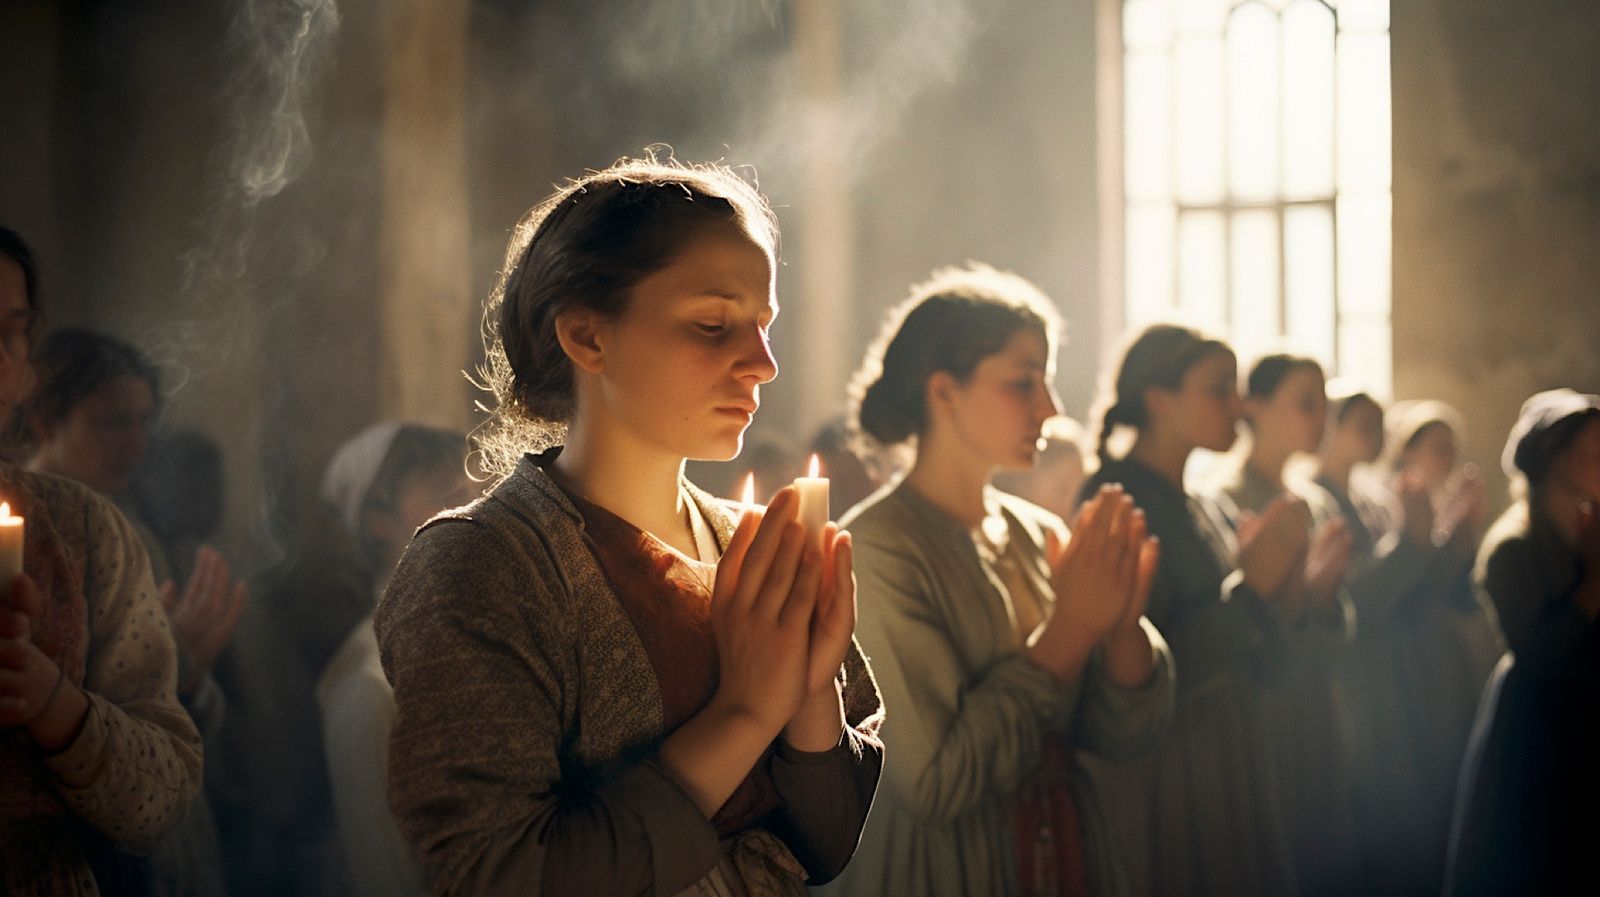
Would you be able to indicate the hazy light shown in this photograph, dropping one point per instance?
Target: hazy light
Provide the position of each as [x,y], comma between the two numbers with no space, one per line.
[1146,24]
[1364,15]
[1253,85]
[1149,126]
[1363,112]
[1149,263]
[1257,165]
[1202,268]
[1364,254]
[1256,321]
[1200,121]
[1308,97]
[1308,280]
[1202,18]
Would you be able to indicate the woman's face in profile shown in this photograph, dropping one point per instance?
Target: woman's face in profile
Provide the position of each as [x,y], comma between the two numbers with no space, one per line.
[999,412]
[1577,468]
[1206,413]
[684,362]
[1296,414]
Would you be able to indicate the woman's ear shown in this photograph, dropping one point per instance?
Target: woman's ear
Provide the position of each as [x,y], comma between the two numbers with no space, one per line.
[578,331]
[1158,402]
[940,390]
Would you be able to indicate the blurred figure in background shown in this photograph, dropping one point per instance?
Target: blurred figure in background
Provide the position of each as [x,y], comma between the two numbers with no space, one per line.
[299,662]
[1056,478]
[1285,412]
[386,483]
[178,494]
[1201,814]
[97,757]
[89,419]
[1424,646]
[1526,815]
[1391,556]
[850,480]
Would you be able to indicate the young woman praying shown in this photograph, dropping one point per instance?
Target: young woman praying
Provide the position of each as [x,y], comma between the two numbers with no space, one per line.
[606,681]
[1201,814]
[1003,646]
[1285,413]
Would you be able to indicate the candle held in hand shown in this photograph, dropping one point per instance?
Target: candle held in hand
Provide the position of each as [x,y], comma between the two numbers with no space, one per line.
[10,547]
[747,498]
[813,494]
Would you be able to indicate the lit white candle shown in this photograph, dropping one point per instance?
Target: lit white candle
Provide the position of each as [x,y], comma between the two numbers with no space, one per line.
[10,547]
[813,494]
[747,498]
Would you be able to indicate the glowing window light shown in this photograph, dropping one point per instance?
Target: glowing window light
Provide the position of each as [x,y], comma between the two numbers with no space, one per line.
[1257,174]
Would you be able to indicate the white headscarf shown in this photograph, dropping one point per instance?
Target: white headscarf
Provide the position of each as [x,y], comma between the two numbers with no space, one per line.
[355,465]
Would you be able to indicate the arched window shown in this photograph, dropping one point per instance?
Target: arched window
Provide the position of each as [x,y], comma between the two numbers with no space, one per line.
[1256,174]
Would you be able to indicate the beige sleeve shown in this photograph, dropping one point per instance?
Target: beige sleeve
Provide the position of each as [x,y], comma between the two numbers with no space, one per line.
[135,765]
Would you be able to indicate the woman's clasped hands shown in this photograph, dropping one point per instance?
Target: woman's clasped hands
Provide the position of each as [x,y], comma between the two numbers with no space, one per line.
[783,610]
[1101,577]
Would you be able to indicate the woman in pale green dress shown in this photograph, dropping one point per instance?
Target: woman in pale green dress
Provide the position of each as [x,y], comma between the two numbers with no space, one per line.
[1002,649]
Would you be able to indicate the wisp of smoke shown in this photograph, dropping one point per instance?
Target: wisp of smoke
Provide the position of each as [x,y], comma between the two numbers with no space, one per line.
[279,45]
[282,37]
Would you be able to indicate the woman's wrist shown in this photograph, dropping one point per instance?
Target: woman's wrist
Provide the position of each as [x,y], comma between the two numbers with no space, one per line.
[713,751]
[1128,658]
[819,722]
[59,721]
[1062,649]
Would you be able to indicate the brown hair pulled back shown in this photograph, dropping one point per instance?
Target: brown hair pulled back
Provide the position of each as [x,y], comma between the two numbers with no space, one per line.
[1159,356]
[950,322]
[587,246]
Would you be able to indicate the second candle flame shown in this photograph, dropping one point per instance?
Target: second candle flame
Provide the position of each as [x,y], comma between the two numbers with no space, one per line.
[747,498]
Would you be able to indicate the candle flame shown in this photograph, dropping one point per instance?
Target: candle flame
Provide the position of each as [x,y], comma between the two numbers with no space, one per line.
[5,509]
[815,468]
[747,497]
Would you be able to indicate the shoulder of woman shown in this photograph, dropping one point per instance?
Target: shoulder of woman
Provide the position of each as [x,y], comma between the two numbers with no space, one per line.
[1507,546]
[63,498]
[485,556]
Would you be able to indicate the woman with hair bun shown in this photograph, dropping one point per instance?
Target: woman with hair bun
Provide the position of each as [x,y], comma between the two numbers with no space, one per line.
[606,681]
[1004,647]
[1201,813]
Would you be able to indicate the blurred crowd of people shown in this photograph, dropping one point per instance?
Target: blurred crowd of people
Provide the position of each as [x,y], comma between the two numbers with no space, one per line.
[1279,650]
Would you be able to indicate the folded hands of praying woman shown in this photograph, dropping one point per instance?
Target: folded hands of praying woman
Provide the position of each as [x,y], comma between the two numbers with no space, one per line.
[34,692]
[1102,579]
[782,614]
[1273,549]
[203,615]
